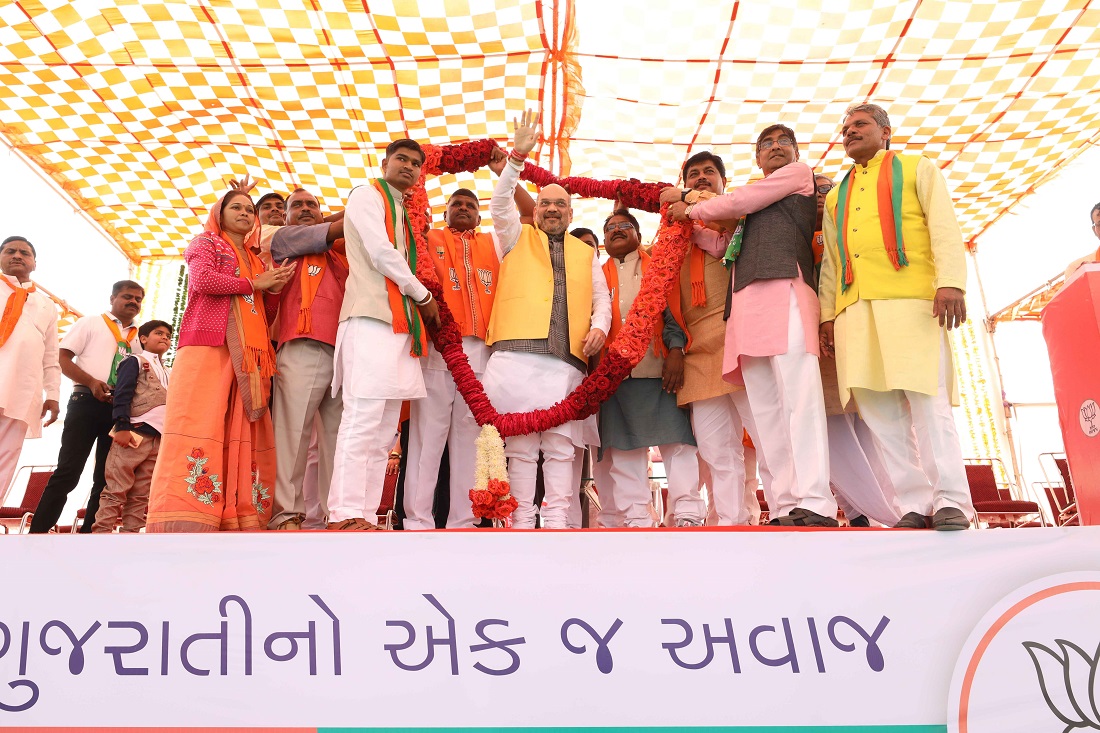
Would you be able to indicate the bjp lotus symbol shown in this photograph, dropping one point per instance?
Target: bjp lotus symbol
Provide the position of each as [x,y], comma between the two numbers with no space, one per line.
[1070,681]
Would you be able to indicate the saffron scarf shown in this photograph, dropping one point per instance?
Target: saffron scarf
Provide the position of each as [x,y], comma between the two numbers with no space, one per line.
[311,271]
[483,261]
[611,272]
[13,309]
[406,318]
[247,332]
[697,264]
[889,216]
[121,352]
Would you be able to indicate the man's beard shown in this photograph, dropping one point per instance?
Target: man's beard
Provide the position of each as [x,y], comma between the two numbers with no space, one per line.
[553,226]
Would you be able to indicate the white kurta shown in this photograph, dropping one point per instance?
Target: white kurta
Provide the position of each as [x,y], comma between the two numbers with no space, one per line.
[28,362]
[384,368]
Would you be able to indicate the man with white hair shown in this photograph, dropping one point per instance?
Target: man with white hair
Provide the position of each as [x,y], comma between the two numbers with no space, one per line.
[542,331]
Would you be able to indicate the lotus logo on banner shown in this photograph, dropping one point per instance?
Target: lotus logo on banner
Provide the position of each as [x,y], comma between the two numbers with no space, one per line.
[1069,682]
[1025,666]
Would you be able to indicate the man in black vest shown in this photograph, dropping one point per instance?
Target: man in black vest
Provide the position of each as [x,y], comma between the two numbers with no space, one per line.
[771,314]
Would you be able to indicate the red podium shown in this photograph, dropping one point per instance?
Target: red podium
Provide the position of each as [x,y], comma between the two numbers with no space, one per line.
[1071,327]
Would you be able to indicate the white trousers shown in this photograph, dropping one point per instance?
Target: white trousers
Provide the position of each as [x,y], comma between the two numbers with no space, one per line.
[362,450]
[718,424]
[440,419]
[857,472]
[622,477]
[789,409]
[12,434]
[558,457]
[928,475]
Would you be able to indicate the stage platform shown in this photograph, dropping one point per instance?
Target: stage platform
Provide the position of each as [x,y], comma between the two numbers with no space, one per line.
[723,630]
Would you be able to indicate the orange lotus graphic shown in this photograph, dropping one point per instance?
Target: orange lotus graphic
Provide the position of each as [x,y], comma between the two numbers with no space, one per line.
[1070,681]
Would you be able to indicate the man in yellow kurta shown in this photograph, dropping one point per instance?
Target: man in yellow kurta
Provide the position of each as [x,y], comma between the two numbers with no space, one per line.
[892,283]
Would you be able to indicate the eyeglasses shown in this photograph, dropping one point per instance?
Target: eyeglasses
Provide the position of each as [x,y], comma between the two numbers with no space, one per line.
[825,188]
[769,144]
[622,225]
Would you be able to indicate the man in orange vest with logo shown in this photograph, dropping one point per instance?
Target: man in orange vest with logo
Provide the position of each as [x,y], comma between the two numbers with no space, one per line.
[467,265]
[542,331]
[892,285]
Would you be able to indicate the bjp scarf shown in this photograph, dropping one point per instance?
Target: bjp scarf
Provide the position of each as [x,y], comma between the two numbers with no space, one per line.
[311,270]
[889,216]
[247,333]
[406,318]
[123,346]
[13,309]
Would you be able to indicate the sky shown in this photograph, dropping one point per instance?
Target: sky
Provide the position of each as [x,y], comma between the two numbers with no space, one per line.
[1023,249]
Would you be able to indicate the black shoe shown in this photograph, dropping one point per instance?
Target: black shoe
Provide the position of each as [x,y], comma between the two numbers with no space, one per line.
[859,521]
[950,518]
[804,518]
[914,520]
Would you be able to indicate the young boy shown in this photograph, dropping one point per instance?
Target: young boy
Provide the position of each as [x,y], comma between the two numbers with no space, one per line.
[141,392]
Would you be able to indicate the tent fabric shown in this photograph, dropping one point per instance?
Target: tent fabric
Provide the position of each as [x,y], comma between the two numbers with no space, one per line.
[142,110]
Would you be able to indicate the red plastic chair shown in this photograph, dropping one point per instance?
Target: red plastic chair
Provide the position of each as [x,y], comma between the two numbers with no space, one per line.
[994,505]
[20,516]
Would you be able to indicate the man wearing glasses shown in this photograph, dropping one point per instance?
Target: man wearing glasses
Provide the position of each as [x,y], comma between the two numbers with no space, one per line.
[542,330]
[771,310]
[892,285]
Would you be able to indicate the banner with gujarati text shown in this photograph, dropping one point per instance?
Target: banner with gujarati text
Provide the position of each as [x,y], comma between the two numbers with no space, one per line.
[749,631]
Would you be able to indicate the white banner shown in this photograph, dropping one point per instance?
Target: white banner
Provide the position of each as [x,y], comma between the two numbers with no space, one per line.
[732,630]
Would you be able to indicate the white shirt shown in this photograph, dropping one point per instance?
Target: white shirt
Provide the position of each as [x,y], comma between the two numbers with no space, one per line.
[94,346]
[28,361]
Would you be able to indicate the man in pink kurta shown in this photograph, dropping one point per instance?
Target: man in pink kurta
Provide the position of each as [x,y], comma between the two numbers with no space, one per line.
[28,356]
[771,345]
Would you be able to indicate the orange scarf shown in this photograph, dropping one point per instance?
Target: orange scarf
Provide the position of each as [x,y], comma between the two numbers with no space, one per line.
[697,263]
[611,272]
[247,333]
[123,347]
[406,317]
[13,310]
[445,247]
[311,270]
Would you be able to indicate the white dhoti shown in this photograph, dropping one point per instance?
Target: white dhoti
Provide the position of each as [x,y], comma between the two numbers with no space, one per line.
[788,406]
[521,382]
[928,474]
[718,424]
[857,472]
[376,373]
[442,419]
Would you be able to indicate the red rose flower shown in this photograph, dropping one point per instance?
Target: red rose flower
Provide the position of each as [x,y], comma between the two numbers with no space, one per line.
[481,498]
[197,453]
[216,498]
[204,485]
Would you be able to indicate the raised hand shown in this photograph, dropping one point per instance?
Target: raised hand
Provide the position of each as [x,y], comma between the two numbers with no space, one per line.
[527,131]
[244,185]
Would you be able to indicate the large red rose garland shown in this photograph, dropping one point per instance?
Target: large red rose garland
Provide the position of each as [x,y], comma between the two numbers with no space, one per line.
[630,345]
